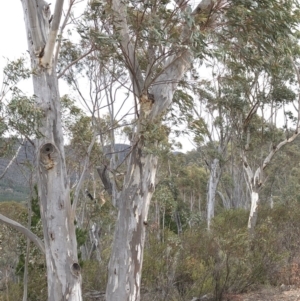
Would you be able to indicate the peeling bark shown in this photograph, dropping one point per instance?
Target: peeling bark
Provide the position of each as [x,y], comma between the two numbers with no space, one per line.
[125,265]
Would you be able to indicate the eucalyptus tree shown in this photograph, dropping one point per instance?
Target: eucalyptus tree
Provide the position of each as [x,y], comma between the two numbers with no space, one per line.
[256,78]
[212,127]
[57,214]
[254,100]
[157,42]
[281,93]
[258,95]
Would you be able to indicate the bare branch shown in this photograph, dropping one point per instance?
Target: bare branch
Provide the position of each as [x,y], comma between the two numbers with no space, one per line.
[74,62]
[86,163]
[11,161]
[275,149]
[120,22]
[61,31]
[37,241]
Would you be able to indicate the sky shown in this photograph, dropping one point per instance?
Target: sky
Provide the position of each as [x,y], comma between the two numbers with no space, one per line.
[12,30]
[14,44]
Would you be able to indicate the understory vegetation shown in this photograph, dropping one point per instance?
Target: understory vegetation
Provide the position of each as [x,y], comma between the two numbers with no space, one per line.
[181,266]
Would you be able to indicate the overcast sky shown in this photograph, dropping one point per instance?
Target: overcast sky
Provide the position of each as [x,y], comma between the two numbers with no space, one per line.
[12,30]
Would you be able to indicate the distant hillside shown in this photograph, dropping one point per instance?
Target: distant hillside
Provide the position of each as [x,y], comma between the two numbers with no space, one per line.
[15,184]
[121,150]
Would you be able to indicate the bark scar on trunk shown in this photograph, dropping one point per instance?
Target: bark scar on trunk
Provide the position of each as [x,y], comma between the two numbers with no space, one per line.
[75,269]
[146,102]
[48,156]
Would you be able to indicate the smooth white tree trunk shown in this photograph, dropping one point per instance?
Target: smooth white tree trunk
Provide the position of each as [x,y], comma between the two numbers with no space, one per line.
[213,182]
[63,270]
[125,265]
[256,180]
[253,210]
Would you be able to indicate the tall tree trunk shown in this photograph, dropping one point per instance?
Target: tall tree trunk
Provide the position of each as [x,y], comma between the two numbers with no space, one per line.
[253,210]
[213,182]
[254,182]
[125,265]
[63,270]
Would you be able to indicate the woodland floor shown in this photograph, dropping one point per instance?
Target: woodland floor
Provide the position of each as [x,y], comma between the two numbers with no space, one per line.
[283,293]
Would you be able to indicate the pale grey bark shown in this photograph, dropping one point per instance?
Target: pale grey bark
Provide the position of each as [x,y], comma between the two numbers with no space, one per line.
[95,240]
[225,201]
[125,265]
[178,222]
[255,180]
[213,182]
[63,270]
[271,202]
[254,183]
[223,132]
[25,277]
[47,58]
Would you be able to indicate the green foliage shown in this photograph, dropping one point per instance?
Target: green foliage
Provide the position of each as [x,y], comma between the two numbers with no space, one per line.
[36,228]
[81,237]
[13,246]
[15,71]
[224,260]
[69,53]
[252,47]
[24,115]
[18,113]
[94,275]
[71,113]
[81,134]
[160,261]
[258,30]
[35,208]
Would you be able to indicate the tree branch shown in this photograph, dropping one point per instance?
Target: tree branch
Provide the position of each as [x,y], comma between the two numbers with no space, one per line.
[46,60]
[11,161]
[86,163]
[72,2]
[121,27]
[278,147]
[74,62]
[37,241]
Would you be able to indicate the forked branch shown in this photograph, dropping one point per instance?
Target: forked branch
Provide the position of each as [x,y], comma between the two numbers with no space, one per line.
[46,60]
